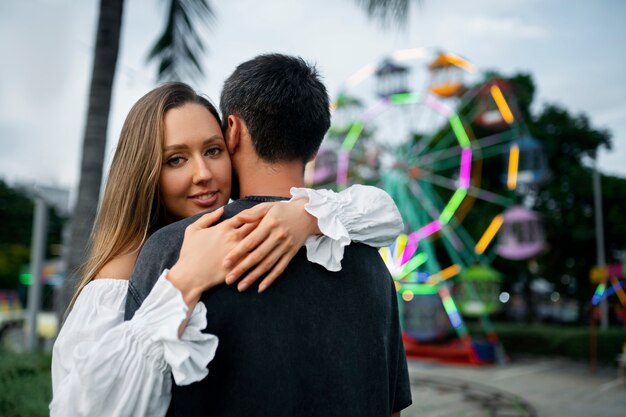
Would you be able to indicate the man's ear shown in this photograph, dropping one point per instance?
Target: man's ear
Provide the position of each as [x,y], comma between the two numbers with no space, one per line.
[233,133]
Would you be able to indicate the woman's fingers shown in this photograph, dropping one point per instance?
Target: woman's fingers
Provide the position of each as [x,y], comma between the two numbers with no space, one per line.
[277,270]
[255,213]
[266,264]
[248,243]
[208,219]
[252,258]
[242,232]
[260,241]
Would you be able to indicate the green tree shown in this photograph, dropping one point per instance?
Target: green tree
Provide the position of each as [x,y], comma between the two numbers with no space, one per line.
[16,217]
[16,212]
[566,201]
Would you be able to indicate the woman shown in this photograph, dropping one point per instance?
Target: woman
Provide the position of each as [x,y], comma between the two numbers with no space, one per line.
[171,162]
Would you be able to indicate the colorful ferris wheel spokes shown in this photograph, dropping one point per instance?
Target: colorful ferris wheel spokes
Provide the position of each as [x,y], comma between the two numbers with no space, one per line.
[435,178]
[446,153]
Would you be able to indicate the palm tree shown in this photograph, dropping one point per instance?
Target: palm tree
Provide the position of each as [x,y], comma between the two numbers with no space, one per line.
[94,140]
[177,50]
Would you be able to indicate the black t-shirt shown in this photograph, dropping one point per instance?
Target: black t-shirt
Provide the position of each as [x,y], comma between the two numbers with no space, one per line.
[316,343]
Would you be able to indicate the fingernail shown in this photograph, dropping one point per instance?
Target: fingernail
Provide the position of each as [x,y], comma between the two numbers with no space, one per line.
[228,263]
[242,286]
[230,278]
[262,288]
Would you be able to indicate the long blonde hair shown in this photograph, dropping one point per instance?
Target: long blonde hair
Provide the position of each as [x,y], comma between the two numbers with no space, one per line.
[130,208]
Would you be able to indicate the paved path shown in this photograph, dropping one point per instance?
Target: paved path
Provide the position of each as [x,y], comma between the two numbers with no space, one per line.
[526,387]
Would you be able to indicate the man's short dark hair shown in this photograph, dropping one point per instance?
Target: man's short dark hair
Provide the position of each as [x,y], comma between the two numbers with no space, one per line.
[283,103]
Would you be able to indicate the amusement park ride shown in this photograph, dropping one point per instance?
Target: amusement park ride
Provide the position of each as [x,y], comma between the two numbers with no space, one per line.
[609,281]
[446,151]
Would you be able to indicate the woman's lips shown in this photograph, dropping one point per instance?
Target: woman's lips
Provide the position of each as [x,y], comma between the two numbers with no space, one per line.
[204,200]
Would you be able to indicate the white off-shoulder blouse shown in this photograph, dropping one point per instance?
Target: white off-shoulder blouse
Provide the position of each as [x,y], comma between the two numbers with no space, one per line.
[104,366]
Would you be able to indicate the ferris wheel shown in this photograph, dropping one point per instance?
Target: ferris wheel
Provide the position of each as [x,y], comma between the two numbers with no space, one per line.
[449,155]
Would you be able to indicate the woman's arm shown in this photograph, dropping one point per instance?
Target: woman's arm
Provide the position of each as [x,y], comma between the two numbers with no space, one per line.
[265,238]
[359,213]
[325,220]
[103,366]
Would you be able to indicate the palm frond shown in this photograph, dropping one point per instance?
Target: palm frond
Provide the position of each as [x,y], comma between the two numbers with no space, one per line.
[387,12]
[180,48]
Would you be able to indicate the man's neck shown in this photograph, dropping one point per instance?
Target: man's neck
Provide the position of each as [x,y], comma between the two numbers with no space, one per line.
[270,179]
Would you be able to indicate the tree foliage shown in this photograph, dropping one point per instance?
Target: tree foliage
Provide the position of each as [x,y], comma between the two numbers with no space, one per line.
[16,214]
[16,217]
[566,202]
[179,48]
[386,12]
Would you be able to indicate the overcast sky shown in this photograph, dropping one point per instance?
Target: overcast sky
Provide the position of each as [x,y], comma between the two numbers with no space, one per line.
[573,48]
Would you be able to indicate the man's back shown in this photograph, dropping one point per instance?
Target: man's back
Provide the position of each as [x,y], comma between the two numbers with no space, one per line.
[316,343]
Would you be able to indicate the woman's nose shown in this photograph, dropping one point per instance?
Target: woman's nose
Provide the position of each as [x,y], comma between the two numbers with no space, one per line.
[202,172]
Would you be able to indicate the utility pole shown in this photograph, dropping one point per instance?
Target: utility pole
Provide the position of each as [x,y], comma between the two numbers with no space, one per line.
[38,244]
[601,260]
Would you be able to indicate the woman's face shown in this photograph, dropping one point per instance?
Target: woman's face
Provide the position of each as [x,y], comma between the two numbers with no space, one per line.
[196,171]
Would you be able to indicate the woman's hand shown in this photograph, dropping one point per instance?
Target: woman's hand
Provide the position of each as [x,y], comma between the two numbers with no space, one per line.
[200,263]
[282,230]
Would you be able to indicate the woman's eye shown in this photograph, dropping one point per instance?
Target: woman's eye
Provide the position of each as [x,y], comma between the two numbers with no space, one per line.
[175,161]
[213,151]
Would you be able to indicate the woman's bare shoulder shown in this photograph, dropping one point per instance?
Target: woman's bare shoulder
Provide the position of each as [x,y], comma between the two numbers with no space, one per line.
[120,267]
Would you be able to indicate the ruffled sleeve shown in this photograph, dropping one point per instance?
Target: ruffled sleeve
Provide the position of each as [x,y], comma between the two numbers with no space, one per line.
[103,366]
[360,213]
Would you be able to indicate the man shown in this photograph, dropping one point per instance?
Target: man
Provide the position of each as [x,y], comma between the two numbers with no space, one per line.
[317,343]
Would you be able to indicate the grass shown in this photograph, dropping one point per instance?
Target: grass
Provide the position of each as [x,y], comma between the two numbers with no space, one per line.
[25,384]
